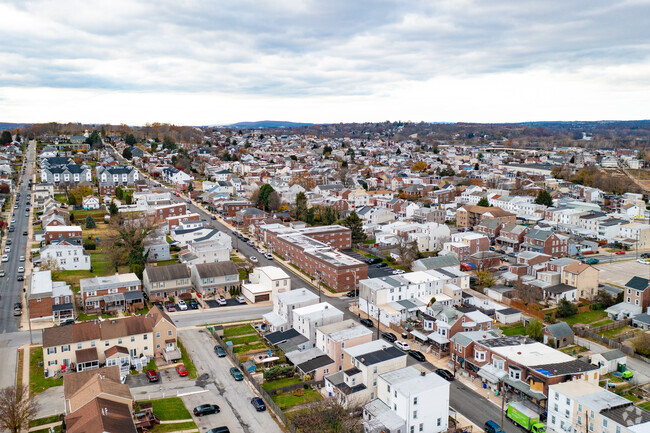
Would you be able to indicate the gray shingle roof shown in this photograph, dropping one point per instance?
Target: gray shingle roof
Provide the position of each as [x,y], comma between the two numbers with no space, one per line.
[167,272]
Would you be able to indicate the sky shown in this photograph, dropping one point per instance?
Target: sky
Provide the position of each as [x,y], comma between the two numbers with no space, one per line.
[218,62]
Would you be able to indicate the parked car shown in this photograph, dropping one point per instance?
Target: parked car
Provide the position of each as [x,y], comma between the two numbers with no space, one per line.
[502,268]
[402,345]
[222,429]
[21,259]
[8,242]
[219,351]
[592,261]
[206,409]
[193,304]
[240,299]
[5,258]
[352,293]
[492,427]
[20,278]
[373,261]
[169,306]
[182,305]
[152,375]
[620,253]
[236,374]
[417,355]
[250,243]
[398,272]
[18,312]
[644,261]
[645,255]
[25,233]
[261,251]
[7,249]
[253,259]
[381,265]
[21,269]
[221,301]
[258,404]
[18,306]
[268,256]
[181,370]
[445,374]
[389,336]
[2,273]
[367,322]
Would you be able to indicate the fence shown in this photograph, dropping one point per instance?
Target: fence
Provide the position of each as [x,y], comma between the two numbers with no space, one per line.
[613,325]
[614,342]
[295,386]
[524,308]
[265,396]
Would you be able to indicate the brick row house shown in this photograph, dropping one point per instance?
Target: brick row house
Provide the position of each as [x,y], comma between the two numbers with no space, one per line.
[119,292]
[511,236]
[547,242]
[72,234]
[49,300]
[163,282]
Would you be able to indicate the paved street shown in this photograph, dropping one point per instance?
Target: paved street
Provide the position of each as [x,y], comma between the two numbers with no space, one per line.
[10,288]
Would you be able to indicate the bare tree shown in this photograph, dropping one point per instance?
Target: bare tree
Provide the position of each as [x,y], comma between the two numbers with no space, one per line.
[407,250]
[50,264]
[527,293]
[328,416]
[17,408]
[274,201]
[130,231]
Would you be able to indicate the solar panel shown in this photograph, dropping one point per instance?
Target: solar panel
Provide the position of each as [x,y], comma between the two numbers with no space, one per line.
[544,372]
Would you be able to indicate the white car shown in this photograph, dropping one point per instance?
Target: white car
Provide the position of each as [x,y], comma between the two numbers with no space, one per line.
[21,269]
[221,300]
[642,261]
[182,305]
[253,259]
[13,220]
[7,249]
[261,251]
[5,258]
[240,299]
[22,259]
[398,272]
[402,345]
[268,256]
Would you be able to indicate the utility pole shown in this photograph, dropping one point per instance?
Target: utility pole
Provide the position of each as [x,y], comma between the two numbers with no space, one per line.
[378,321]
[503,400]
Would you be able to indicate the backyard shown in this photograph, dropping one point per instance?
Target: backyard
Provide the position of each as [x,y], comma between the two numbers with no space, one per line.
[516,329]
[243,339]
[37,380]
[586,318]
[169,409]
[300,396]
[280,383]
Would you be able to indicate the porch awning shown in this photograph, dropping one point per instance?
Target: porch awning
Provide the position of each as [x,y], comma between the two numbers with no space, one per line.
[440,339]
[419,335]
[504,239]
[62,307]
[492,374]
[525,388]
[133,296]
[86,355]
[117,297]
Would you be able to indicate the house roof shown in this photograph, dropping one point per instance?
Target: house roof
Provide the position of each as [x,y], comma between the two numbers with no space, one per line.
[315,363]
[559,330]
[637,283]
[101,415]
[73,382]
[217,269]
[381,355]
[612,355]
[576,268]
[559,288]
[628,415]
[167,272]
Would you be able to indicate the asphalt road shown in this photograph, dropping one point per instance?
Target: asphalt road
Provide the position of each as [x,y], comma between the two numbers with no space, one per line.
[10,288]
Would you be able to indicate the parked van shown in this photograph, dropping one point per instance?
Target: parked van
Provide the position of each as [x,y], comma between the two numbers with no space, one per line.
[492,427]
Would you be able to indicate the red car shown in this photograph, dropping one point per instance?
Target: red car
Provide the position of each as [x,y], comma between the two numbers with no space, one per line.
[152,375]
[181,370]
[620,253]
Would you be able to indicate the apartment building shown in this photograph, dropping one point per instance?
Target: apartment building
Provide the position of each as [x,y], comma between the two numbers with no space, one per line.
[284,304]
[471,215]
[332,339]
[306,320]
[119,292]
[49,300]
[161,213]
[583,406]
[87,345]
[419,399]
[207,251]
[112,176]
[163,282]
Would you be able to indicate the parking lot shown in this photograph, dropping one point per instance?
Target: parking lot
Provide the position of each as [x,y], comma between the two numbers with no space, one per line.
[619,273]
[166,376]
[373,271]
[229,303]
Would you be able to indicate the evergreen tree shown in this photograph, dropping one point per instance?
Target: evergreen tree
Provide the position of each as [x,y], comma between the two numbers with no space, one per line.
[483,202]
[544,198]
[301,206]
[112,209]
[130,140]
[5,138]
[263,196]
[354,223]
[127,154]
[90,222]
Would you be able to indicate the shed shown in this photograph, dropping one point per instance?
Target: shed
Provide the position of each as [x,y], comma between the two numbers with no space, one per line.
[508,315]
[608,361]
[560,332]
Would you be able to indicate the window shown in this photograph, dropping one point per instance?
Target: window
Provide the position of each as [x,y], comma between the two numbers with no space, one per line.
[51,350]
[119,341]
[555,407]
[146,348]
[79,346]
[604,422]
[421,427]
[144,337]
[388,388]
[568,400]
[591,426]
[92,344]
[157,334]
[415,414]
[169,333]
[415,400]
[439,422]
[412,429]
[591,415]
[553,419]
[106,343]
[579,420]
[65,348]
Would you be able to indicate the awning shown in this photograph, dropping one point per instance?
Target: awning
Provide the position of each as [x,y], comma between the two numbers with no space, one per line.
[419,335]
[440,339]
[492,374]
[132,296]
[274,319]
[62,307]
[504,239]
[525,388]
[117,297]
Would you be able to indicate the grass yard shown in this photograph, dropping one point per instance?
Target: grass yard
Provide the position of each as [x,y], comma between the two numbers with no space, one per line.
[238,330]
[617,331]
[517,329]
[83,316]
[97,214]
[167,262]
[645,405]
[615,379]
[57,429]
[19,368]
[287,401]
[37,380]
[587,317]
[573,350]
[249,347]
[187,361]
[177,426]
[247,339]
[169,409]
[235,258]
[279,383]
[61,198]
[242,274]
[43,421]
[601,323]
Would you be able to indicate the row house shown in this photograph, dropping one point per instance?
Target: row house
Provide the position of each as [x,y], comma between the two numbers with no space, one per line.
[249,216]
[332,339]
[161,213]
[230,208]
[73,234]
[112,176]
[176,177]
[307,320]
[471,215]
[70,173]
[88,345]
[119,292]
[67,256]
[547,242]
[458,249]
[511,236]
[284,304]
[163,282]
[448,321]
[172,222]
[214,279]
[490,228]
[49,300]
[525,367]
[476,242]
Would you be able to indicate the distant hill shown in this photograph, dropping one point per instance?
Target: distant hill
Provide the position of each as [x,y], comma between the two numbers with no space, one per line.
[268,124]
[4,125]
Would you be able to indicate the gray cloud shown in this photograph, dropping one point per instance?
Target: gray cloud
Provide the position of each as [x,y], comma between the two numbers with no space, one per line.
[287,48]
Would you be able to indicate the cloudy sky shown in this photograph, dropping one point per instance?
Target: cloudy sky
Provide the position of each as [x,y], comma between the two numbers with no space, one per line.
[216,62]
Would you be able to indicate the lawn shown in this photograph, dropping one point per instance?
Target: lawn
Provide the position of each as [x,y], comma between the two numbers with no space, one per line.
[601,323]
[61,198]
[279,383]
[37,380]
[238,330]
[616,331]
[645,405]
[83,316]
[615,379]
[242,274]
[573,350]
[57,429]
[245,340]
[249,347]
[187,361]
[167,262]
[97,214]
[43,421]
[235,258]
[511,330]
[287,401]
[169,409]
[587,317]
[177,426]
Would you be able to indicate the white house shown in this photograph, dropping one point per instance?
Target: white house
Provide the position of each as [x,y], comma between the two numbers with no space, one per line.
[265,283]
[419,399]
[284,305]
[609,361]
[90,202]
[307,319]
[66,256]
[206,251]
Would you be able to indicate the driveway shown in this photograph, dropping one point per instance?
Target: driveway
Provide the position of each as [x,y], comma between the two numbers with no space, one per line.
[232,397]
[229,303]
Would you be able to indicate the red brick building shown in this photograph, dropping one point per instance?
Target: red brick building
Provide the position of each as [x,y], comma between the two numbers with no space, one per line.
[547,242]
[174,221]
[511,236]
[249,216]
[72,233]
[230,209]
[161,213]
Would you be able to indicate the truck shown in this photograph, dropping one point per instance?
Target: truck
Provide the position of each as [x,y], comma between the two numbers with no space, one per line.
[525,417]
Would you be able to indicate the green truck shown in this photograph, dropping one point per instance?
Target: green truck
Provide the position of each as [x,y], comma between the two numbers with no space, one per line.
[525,417]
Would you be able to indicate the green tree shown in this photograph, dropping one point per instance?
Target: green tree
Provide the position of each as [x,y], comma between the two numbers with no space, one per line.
[119,193]
[127,154]
[90,222]
[354,223]
[566,308]
[94,139]
[5,138]
[327,150]
[130,140]
[310,216]
[480,156]
[168,143]
[112,209]
[447,172]
[71,218]
[483,202]
[263,196]
[534,330]
[301,206]
[544,197]
[476,166]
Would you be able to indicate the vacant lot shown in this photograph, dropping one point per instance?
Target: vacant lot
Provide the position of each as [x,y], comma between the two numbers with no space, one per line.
[619,273]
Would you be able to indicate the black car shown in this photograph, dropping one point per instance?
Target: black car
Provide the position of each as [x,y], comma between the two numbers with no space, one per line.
[381,265]
[25,233]
[222,429]
[367,322]
[206,409]
[258,403]
[389,336]
[417,355]
[193,304]
[373,261]
[502,268]
[20,278]
[219,351]
[18,305]
[352,293]
[445,374]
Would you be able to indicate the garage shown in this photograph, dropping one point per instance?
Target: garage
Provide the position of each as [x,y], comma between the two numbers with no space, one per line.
[255,292]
